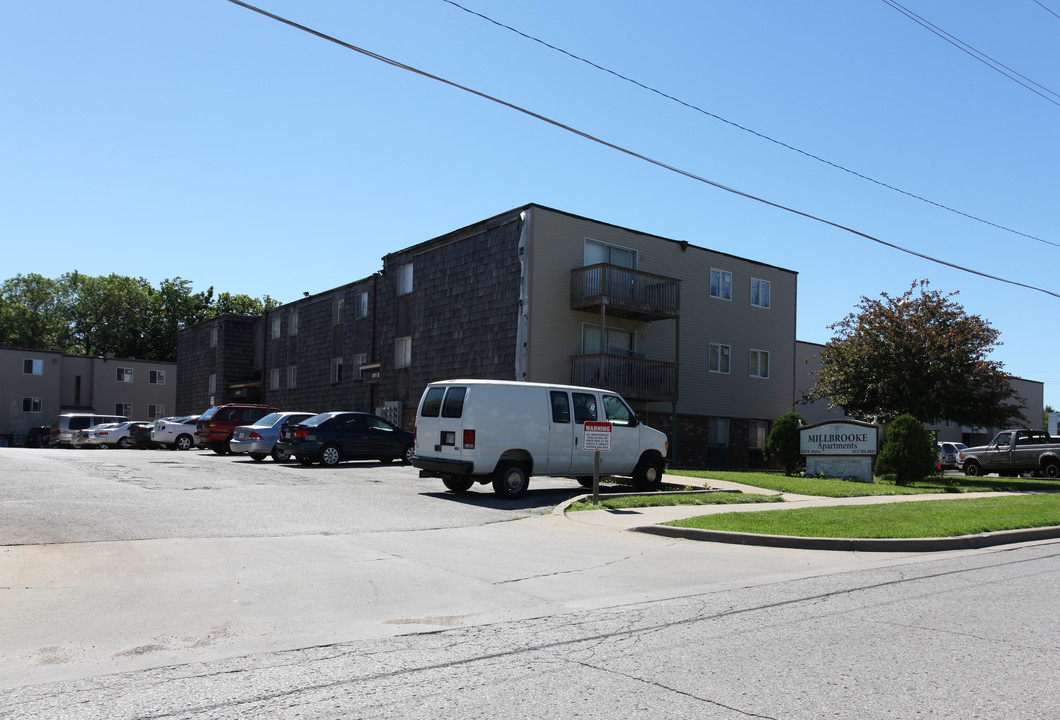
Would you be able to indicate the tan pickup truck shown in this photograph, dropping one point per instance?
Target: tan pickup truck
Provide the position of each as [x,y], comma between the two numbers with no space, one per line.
[1012,453]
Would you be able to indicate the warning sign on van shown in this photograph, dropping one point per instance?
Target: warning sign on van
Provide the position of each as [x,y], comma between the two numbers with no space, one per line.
[597,436]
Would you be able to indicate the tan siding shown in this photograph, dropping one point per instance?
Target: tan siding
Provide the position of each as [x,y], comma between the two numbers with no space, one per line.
[557,247]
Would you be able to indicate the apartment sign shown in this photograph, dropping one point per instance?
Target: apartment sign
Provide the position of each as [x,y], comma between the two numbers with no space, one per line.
[844,437]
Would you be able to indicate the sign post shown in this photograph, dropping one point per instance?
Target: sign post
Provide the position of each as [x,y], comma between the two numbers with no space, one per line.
[598,439]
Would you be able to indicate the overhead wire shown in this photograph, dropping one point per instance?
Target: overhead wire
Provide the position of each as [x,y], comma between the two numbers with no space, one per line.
[756,133]
[980,56]
[1051,12]
[619,148]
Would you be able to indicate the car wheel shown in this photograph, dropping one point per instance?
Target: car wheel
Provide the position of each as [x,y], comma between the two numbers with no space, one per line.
[227,445]
[330,455]
[258,457]
[406,457]
[1052,470]
[219,448]
[647,476]
[280,455]
[123,443]
[386,460]
[184,442]
[458,484]
[972,468]
[585,482]
[510,480]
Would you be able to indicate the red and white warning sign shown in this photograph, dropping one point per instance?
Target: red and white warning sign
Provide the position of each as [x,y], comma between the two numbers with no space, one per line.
[597,436]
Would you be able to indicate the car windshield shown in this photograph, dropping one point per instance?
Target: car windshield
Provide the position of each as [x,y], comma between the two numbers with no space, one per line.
[317,419]
[269,420]
[209,413]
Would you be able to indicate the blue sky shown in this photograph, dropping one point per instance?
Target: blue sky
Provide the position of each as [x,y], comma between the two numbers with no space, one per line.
[201,140]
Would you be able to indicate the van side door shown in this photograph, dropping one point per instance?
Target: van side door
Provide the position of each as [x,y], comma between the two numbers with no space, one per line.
[585,407]
[625,437]
[560,433]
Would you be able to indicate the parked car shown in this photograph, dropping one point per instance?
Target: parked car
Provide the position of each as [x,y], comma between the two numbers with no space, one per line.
[948,454]
[215,426]
[175,433]
[332,437]
[140,435]
[38,437]
[114,436]
[65,425]
[259,440]
[86,438]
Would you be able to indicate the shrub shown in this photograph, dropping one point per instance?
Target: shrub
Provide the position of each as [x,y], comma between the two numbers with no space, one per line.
[782,445]
[908,451]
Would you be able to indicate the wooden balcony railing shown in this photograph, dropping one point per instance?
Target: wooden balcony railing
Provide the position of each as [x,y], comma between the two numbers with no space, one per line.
[633,378]
[625,292]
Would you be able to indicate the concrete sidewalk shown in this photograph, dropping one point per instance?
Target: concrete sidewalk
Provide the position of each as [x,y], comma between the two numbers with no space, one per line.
[651,519]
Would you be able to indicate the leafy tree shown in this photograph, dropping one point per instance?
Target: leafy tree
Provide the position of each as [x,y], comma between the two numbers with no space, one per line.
[783,444]
[242,305]
[909,451]
[33,314]
[919,354]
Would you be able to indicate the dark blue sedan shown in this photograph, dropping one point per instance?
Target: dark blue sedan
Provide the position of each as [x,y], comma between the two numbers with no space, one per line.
[332,437]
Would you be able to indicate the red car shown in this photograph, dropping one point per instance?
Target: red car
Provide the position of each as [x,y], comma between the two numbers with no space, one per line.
[215,426]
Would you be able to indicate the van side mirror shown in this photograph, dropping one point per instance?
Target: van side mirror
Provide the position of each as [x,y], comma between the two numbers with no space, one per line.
[634,421]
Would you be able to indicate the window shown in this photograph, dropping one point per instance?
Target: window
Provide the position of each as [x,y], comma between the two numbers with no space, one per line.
[721,284]
[403,352]
[362,305]
[756,435]
[616,342]
[338,311]
[33,367]
[274,379]
[560,407]
[617,412]
[719,358]
[404,286]
[600,252]
[31,404]
[584,407]
[156,377]
[213,336]
[155,412]
[213,383]
[292,377]
[453,407]
[759,365]
[123,409]
[123,375]
[275,327]
[358,360]
[718,432]
[292,323]
[336,370]
[759,293]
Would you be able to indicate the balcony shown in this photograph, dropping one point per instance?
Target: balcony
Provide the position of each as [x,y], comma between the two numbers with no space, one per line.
[625,293]
[631,377]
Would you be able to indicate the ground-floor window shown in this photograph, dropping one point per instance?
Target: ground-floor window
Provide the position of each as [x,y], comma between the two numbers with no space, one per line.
[154,412]
[757,432]
[123,409]
[31,404]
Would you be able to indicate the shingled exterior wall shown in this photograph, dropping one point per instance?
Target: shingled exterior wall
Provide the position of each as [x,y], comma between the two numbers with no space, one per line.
[231,360]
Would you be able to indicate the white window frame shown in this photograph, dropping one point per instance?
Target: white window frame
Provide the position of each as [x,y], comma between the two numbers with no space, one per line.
[156,412]
[156,377]
[754,367]
[606,252]
[362,306]
[605,340]
[123,409]
[35,404]
[760,292]
[724,352]
[276,327]
[338,311]
[403,352]
[292,323]
[404,279]
[757,432]
[35,365]
[292,377]
[724,284]
[212,384]
[358,360]
[274,379]
[123,374]
[214,333]
[336,370]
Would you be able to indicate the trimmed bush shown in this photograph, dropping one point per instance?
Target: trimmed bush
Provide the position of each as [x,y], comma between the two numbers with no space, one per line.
[908,451]
[782,445]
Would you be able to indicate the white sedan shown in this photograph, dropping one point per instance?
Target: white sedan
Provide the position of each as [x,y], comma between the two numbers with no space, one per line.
[175,432]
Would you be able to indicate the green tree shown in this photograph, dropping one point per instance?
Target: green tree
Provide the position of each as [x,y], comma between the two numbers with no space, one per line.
[33,314]
[173,307]
[107,313]
[242,305]
[916,353]
[909,451]
[783,444]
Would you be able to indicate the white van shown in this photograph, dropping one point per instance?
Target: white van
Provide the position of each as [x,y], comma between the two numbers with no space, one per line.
[65,425]
[470,431]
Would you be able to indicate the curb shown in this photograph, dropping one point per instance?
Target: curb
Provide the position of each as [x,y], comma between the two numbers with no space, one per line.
[962,542]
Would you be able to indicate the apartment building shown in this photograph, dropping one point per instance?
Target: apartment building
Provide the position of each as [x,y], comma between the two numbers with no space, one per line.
[702,343]
[37,385]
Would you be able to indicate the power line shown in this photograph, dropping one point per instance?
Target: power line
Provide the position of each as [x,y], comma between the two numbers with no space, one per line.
[619,148]
[741,127]
[980,56]
[1046,9]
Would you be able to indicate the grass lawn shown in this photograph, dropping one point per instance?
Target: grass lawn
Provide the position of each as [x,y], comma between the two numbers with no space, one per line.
[926,518]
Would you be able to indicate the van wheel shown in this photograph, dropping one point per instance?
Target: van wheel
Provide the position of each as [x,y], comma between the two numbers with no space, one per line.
[648,474]
[510,480]
[458,484]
